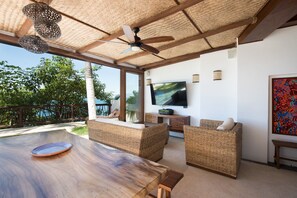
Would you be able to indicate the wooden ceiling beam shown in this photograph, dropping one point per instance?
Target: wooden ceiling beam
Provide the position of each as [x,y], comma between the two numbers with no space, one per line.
[70,17]
[11,40]
[24,28]
[171,61]
[147,21]
[183,57]
[197,28]
[193,23]
[140,54]
[28,23]
[273,15]
[195,37]
[290,23]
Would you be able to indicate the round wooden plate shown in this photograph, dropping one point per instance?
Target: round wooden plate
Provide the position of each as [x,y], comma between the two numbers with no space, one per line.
[51,149]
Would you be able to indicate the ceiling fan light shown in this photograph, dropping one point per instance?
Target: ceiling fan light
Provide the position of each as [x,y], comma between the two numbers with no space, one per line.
[135,48]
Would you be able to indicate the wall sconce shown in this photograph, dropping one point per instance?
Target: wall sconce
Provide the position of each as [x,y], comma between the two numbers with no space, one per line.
[195,78]
[148,82]
[217,75]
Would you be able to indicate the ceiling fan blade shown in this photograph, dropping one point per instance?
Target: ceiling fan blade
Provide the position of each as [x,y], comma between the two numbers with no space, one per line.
[112,42]
[158,39]
[150,48]
[129,33]
[126,50]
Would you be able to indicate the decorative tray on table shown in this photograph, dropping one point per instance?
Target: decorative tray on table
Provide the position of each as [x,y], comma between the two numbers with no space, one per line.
[51,149]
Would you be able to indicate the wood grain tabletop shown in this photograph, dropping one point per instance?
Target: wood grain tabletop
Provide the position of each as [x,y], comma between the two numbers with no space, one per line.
[88,169]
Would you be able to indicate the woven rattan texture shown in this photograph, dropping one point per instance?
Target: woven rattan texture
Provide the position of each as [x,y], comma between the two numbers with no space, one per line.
[229,37]
[11,15]
[187,48]
[211,14]
[211,124]
[147,143]
[74,35]
[113,50]
[111,15]
[219,151]
[176,25]
[147,59]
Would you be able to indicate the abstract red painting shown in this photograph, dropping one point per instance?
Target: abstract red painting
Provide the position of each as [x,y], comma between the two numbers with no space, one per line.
[284,106]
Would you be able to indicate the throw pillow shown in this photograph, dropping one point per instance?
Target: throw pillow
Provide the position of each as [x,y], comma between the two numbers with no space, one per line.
[228,124]
[114,114]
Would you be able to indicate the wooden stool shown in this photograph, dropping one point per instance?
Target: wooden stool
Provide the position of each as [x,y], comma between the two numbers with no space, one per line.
[168,183]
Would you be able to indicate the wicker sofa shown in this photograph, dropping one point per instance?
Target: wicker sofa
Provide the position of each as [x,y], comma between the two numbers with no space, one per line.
[146,142]
[208,148]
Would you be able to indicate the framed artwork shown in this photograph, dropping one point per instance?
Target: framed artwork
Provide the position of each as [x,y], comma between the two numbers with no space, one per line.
[284,106]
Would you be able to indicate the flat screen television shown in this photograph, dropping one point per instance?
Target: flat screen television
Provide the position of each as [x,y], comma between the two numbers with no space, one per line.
[169,93]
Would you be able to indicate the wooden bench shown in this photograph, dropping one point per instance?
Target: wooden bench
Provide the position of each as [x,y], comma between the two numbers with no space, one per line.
[278,144]
[168,183]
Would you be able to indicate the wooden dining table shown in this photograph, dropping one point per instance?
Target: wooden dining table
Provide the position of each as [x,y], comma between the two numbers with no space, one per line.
[88,169]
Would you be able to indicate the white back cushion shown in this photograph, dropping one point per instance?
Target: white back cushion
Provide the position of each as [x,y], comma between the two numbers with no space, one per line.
[228,124]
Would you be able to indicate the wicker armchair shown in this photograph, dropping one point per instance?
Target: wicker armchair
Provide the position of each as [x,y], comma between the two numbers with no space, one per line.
[208,148]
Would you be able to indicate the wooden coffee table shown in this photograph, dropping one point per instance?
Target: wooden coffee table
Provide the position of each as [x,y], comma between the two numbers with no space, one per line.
[89,169]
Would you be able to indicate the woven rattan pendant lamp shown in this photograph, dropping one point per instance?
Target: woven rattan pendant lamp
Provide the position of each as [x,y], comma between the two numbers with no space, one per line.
[34,44]
[45,21]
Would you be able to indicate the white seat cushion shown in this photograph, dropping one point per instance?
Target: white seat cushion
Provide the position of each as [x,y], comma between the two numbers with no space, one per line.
[228,124]
[115,121]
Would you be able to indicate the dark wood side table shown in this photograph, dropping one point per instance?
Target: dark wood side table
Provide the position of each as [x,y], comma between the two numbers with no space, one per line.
[278,144]
[176,122]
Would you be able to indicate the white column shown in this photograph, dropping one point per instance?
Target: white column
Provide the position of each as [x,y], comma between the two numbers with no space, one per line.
[90,91]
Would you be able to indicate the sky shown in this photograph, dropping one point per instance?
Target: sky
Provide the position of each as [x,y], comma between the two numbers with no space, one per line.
[107,75]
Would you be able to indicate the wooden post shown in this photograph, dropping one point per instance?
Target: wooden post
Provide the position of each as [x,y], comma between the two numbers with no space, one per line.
[141,97]
[123,95]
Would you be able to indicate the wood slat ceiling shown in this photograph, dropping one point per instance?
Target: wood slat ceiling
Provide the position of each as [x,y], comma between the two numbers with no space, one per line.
[198,26]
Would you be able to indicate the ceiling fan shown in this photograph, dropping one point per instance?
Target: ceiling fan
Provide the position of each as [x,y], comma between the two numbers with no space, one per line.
[136,43]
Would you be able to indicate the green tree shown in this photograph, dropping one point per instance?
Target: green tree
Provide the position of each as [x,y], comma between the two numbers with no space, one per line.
[53,81]
[13,85]
[99,87]
[133,106]
[57,82]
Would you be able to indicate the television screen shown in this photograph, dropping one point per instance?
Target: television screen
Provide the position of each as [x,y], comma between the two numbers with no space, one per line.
[169,93]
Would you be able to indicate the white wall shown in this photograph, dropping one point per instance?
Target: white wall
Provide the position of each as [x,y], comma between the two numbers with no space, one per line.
[177,72]
[207,99]
[218,99]
[242,94]
[275,56]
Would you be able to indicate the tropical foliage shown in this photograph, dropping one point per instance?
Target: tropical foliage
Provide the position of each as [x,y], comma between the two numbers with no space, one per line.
[53,81]
[81,130]
[132,109]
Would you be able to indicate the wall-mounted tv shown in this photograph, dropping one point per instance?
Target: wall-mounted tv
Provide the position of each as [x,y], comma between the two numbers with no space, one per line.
[169,93]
